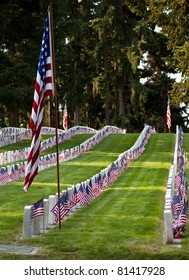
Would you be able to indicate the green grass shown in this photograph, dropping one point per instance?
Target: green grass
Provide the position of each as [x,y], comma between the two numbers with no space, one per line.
[124,222]
[72,142]
[22,144]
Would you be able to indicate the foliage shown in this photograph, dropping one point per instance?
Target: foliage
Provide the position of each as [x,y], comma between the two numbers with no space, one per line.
[99,47]
[173,18]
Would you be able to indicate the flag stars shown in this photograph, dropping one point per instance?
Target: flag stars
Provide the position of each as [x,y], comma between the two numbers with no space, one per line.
[42,89]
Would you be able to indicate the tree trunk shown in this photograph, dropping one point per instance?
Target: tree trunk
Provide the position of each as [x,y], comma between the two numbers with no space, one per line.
[121,108]
[106,76]
[13,118]
[77,115]
[107,103]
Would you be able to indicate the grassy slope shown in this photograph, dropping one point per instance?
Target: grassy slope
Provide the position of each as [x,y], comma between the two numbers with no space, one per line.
[45,183]
[72,142]
[125,222]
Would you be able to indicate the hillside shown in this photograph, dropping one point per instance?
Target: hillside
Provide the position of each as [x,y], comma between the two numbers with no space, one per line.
[124,222]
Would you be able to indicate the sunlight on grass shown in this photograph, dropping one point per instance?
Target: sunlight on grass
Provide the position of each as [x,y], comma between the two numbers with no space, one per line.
[151,165]
[11,214]
[154,188]
[124,222]
[85,163]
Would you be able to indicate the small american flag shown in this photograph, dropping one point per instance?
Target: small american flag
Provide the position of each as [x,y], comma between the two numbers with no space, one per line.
[60,209]
[38,209]
[96,188]
[88,194]
[15,174]
[168,115]
[81,196]
[113,172]
[43,87]
[4,176]
[178,178]
[65,117]
[73,200]
[176,204]
[182,217]
[104,180]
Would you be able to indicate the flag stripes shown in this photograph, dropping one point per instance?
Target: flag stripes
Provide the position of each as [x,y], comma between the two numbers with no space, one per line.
[168,115]
[65,117]
[38,209]
[43,87]
[61,208]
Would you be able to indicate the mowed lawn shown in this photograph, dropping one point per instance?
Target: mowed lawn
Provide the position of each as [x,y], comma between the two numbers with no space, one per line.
[124,222]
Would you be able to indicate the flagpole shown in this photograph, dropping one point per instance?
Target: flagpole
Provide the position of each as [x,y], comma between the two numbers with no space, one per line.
[55,104]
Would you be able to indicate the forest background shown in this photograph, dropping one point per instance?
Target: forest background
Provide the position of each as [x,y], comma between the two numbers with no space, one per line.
[115,61]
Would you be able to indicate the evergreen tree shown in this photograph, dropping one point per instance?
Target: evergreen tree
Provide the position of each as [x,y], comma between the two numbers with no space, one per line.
[18,48]
[173,19]
[99,46]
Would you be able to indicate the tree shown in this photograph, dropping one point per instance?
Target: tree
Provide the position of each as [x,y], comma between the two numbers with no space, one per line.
[173,18]
[99,46]
[20,52]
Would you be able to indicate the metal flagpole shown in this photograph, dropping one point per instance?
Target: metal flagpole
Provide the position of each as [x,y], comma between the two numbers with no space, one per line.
[55,101]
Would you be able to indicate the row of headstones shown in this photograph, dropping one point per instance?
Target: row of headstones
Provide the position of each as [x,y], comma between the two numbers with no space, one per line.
[13,135]
[40,224]
[168,214]
[22,154]
[17,171]
[9,131]
[65,135]
[10,135]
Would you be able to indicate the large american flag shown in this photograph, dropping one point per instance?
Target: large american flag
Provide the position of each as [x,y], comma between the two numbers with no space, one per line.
[168,115]
[43,87]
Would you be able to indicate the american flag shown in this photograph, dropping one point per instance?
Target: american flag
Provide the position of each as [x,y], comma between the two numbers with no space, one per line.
[182,217]
[104,180]
[96,188]
[114,172]
[65,117]
[60,209]
[178,178]
[4,176]
[14,175]
[176,204]
[81,196]
[168,115]
[73,200]
[43,87]
[38,209]
[88,194]
[67,202]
